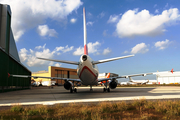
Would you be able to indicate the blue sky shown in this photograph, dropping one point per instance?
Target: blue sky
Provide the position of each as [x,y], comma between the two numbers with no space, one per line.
[54,29]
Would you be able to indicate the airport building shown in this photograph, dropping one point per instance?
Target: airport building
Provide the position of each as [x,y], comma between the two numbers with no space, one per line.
[55,72]
[168,77]
[9,58]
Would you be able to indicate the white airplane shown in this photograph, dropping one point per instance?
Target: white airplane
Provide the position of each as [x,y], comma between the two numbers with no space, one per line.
[141,82]
[87,69]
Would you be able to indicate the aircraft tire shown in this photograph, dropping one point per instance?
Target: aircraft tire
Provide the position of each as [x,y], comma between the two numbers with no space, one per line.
[104,89]
[75,90]
[108,89]
[71,90]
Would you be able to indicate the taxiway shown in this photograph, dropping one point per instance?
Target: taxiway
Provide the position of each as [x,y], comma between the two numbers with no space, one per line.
[48,96]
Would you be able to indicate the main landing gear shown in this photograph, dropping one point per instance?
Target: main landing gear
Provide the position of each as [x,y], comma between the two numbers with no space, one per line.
[73,89]
[106,89]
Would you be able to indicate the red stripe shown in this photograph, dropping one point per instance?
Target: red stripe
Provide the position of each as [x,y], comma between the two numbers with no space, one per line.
[85,50]
[85,67]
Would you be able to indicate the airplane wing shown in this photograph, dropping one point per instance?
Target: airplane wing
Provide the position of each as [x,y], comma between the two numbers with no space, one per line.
[129,76]
[35,77]
[125,76]
[62,61]
[111,59]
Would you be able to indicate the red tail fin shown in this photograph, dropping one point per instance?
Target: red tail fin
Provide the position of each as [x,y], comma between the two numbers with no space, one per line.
[172,71]
[108,75]
[85,50]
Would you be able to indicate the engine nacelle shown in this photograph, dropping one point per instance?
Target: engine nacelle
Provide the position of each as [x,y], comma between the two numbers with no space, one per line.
[68,85]
[113,84]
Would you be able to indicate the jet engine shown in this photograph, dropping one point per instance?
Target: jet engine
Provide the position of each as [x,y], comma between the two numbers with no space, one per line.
[144,75]
[68,85]
[113,84]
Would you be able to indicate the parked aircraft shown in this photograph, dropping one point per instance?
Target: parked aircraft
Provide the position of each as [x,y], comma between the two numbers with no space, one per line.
[138,81]
[87,69]
[106,81]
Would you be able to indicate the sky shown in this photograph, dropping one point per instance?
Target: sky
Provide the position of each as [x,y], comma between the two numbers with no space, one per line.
[53,29]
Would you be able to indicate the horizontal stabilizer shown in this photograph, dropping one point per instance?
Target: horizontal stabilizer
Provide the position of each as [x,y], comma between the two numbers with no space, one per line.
[62,61]
[111,59]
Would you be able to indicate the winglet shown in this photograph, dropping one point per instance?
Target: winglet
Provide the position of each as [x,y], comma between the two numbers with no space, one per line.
[9,75]
[172,71]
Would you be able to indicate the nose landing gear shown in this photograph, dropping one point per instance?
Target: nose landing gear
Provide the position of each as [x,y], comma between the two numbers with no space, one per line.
[91,88]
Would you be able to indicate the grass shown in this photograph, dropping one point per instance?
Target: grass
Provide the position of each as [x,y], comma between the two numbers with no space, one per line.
[135,110]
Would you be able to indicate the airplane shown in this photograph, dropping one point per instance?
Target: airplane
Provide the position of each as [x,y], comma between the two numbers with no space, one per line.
[141,82]
[105,82]
[87,69]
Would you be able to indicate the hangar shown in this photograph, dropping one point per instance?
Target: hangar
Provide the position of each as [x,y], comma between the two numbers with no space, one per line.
[10,62]
[168,77]
[55,72]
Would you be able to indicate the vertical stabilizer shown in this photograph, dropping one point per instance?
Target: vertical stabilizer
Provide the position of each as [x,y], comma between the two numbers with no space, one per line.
[108,75]
[85,34]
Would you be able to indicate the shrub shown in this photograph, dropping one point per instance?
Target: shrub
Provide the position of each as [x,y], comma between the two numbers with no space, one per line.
[32,112]
[17,109]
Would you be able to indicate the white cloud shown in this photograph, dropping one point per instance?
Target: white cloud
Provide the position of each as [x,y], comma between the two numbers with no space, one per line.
[57,65]
[73,20]
[133,23]
[125,52]
[29,56]
[106,51]
[140,48]
[101,15]
[90,23]
[27,14]
[156,11]
[113,19]
[92,48]
[23,54]
[44,30]
[161,45]
[79,51]
[40,47]
[64,49]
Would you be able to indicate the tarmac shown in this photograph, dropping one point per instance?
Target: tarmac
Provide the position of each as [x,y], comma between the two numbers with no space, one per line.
[57,95]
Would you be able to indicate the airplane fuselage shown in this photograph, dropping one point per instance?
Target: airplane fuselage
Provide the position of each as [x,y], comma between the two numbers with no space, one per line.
[87,72]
